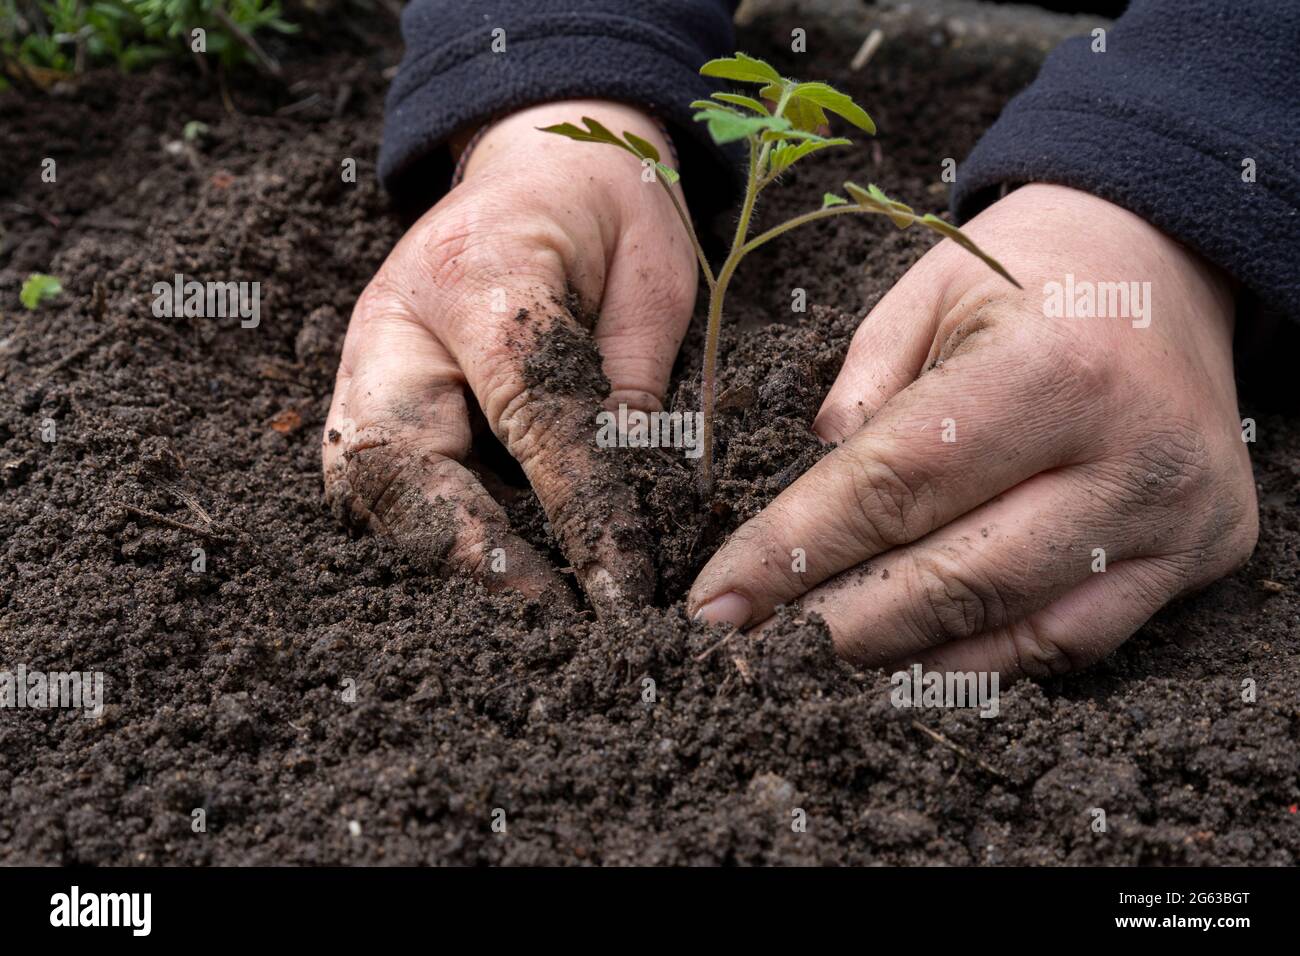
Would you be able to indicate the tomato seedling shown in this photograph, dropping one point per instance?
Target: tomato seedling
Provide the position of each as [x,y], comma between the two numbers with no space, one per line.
[778,136]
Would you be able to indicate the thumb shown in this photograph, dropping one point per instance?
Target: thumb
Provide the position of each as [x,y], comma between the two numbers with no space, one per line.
[887,352]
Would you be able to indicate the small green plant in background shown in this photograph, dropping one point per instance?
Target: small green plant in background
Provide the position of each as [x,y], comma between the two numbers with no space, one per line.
[38,288]
[778,136]
[40,39]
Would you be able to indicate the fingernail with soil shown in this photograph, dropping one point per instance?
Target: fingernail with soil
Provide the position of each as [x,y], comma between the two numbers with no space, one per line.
[730,608]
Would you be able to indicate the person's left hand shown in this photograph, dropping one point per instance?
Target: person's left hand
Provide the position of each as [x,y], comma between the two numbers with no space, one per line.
[994,457]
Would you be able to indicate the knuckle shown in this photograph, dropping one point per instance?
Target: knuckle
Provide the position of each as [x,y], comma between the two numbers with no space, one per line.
[360,476]
[952,600]
[545,434]
[502,394]
[1169,469]
[476,246]
[526,423]
[1036,654]
[380,472]
[1068,376]
[415,497]
[1071,364]
[888,507]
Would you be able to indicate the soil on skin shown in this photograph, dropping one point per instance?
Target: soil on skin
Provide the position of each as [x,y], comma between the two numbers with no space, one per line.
[325,700]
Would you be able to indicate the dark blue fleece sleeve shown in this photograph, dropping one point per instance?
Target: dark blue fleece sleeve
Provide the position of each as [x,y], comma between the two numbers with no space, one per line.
[1163,123]
[645,52]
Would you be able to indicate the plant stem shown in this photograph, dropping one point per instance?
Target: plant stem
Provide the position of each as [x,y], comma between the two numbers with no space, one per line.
[717,292]
[799,221]
[263,59]
[708,379]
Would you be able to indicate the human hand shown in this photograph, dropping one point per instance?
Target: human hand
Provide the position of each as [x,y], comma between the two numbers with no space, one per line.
[1003,447]
[477,295]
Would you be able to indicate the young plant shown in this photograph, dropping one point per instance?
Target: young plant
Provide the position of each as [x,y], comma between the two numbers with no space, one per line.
[37,289]
[781,126]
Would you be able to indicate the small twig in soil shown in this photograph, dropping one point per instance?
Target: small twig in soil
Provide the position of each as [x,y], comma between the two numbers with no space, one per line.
[958,749]
[510,683]
[100,301]
[299,106]
[701,657]
[868,49]
[178,525]
[188,499]
[743,666]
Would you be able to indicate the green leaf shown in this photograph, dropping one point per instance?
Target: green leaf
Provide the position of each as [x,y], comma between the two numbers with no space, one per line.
[605,135]
[727,127]
[742,68]
[631,143]
[805,114]
[711,105]
[841,104]
[644,150]
[592,134]
[772,136]
[786,156]
[949,231]
[830,199]
[899,213]
[38,288]
[746,101]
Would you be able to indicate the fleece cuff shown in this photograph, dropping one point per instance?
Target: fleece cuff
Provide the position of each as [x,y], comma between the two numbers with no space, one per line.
[462,83]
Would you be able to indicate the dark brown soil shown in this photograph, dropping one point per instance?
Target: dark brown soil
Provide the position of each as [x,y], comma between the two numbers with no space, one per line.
[230,690]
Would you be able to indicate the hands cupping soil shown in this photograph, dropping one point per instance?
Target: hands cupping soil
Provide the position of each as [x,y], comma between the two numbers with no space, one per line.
[988,453]
[988,450]
[488,293]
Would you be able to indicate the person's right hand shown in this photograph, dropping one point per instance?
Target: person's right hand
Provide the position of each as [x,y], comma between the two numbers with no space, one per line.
[476,295]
